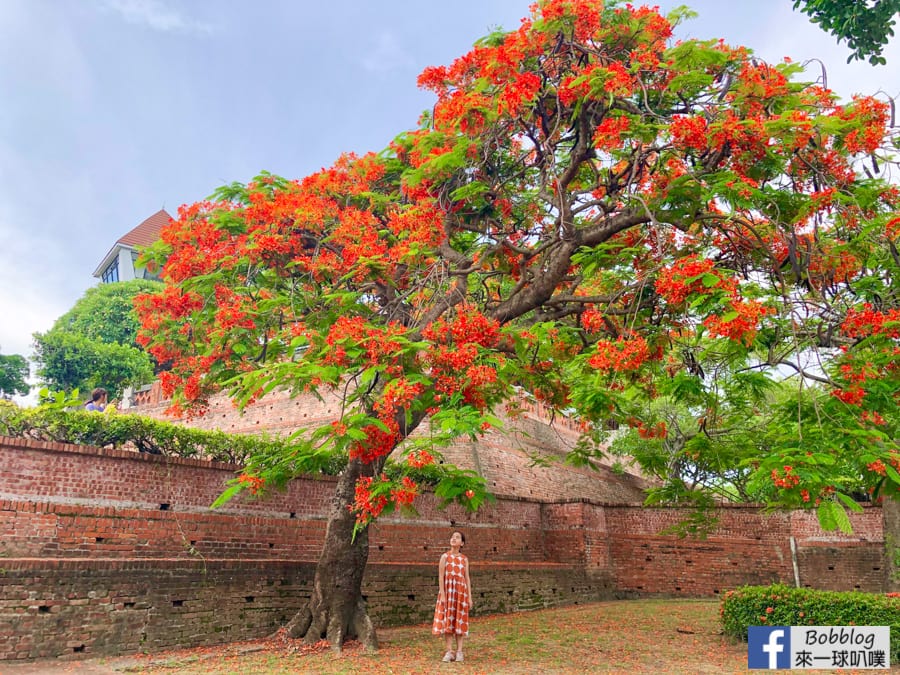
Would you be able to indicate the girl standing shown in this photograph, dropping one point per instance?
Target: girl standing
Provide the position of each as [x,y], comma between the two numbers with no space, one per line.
[451,615]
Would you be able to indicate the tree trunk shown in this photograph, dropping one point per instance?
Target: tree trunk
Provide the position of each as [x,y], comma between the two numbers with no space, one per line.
[336,610]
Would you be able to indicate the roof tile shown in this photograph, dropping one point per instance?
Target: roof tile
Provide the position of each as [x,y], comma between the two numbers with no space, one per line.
[148,231]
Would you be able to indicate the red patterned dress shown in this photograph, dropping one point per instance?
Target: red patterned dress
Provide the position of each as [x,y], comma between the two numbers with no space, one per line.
[451,614]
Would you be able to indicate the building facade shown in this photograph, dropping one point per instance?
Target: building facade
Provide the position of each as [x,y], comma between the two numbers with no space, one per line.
[120,263]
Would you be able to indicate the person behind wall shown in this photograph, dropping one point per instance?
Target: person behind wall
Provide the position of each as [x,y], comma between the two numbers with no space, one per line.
[99,403]
[451,614]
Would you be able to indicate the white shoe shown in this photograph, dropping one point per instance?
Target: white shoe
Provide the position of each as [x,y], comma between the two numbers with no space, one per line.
[459,656]
[448,657]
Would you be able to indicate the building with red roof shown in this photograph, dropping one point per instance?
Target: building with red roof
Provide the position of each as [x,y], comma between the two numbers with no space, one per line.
[120,264]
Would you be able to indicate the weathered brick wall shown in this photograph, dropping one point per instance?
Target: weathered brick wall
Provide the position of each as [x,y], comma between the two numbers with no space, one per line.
[745,547]
[67,608]
[108,551]
[504,457]
[74,608]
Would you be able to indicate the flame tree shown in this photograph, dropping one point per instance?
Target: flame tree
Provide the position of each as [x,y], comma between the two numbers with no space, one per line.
[592,214]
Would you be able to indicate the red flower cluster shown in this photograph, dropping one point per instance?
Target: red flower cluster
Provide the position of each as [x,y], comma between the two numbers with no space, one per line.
[658,430]
[689,133]
[231,312]
[851,396]
[586,15]
[757,82]
[626,353]
[378,442]
[873,117]
[873,417]
[684,278]
[366,505]
[459,341]
[404,496]
[866,321]
[892,228]
[789,480]
[592,321]
[369,499]
[609,133]
[519,91]
[695,276]
[397,395]
[878,467]
[740,328]
[252,483]
[419,458]
[418,226]
[468,325]
[381,343]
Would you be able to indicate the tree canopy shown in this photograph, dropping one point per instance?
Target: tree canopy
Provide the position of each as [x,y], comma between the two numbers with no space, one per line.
[93,344]
[642,233]
[13,375]
[866,26]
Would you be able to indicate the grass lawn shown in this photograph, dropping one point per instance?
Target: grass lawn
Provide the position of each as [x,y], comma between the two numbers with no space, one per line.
[639,636]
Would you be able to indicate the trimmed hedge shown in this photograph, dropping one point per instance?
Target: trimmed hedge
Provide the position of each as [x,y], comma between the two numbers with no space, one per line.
[780,605]
[137,433]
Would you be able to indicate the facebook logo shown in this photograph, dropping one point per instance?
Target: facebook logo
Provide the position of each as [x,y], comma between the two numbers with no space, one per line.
[768,647]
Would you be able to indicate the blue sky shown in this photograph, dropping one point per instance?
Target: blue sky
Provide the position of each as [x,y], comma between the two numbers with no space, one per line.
[112,109]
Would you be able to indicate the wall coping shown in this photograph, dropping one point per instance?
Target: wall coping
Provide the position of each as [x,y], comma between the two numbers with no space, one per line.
[116,453]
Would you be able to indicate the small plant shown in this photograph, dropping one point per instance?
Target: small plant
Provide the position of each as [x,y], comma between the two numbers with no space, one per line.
[780,605]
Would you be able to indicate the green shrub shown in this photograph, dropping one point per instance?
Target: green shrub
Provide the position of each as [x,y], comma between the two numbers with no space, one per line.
[51,423]
[780,605]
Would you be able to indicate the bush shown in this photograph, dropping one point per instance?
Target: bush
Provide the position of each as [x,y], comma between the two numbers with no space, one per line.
[50,423]
[780,605]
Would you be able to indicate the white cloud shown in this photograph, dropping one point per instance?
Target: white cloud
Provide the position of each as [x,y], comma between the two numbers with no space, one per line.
[387,55]
[39,55]
[156,15]
[27,276]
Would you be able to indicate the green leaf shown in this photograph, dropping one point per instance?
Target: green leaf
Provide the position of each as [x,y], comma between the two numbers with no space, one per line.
[842,519]
[227,495]
[851,503]
[729,316]
[892,473]
[825,511]
[368,376]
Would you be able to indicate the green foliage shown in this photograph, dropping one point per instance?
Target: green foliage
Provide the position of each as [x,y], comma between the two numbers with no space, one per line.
[106,312]
[13,375]
[52,423]
[59,400]
[780,605]
[73,361]
[866,26]
[93,344]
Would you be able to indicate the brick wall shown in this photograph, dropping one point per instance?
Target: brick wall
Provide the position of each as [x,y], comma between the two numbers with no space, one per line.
[745,547]
[505,457]
[108,551]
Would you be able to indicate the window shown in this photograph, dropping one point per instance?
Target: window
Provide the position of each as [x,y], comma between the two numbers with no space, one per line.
[111,273]
[141,272]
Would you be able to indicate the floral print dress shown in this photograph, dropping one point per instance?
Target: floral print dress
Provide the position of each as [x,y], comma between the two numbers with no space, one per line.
[451,614]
